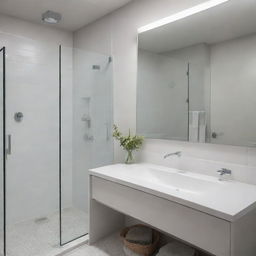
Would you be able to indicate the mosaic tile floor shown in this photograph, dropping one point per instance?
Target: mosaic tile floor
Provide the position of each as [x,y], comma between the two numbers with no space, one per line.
[109,246]
[41,237]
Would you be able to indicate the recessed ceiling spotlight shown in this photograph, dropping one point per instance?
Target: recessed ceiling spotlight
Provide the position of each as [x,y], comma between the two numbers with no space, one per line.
[183,14]
[51,17]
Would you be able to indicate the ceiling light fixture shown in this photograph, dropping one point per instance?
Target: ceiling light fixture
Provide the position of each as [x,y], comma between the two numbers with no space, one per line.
[181,15]
[51,17]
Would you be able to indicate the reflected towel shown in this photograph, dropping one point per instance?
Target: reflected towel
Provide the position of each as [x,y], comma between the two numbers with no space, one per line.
[193,126]
[202,127]
[197,126]
[194,118]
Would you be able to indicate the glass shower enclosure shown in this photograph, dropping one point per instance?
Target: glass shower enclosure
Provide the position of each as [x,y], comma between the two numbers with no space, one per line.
[57,124]
[92,144]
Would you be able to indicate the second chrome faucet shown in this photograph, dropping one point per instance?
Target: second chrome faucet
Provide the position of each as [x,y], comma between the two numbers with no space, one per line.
[224,174]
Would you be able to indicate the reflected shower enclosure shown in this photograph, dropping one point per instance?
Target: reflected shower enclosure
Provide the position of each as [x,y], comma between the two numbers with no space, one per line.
[66,104]
[173,97]
[162,96]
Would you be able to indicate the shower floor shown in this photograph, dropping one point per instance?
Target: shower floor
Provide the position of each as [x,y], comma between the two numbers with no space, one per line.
[41,237]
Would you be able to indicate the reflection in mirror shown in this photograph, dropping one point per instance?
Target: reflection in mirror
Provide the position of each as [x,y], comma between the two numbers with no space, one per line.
[162,109]
[196,78]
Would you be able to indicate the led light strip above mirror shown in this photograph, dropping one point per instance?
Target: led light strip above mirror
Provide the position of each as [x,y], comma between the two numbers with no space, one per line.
[181,15]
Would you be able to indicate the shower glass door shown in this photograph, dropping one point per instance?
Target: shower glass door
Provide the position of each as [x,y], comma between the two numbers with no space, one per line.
[2,151]
[89,104]
[32,101]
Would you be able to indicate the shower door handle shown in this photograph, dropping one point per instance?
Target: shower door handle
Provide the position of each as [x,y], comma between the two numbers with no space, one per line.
[107,131]
[9,145]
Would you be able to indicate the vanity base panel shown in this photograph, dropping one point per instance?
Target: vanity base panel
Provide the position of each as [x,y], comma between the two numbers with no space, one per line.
[202,230]
[102,220]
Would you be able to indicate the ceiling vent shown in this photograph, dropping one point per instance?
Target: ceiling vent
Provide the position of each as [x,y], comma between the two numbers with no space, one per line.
[51,17]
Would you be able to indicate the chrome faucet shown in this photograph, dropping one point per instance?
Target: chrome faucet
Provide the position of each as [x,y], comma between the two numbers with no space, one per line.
[178,153]
[224,172]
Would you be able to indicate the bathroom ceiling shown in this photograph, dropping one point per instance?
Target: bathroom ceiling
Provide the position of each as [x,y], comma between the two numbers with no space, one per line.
[75,13]
[212,26]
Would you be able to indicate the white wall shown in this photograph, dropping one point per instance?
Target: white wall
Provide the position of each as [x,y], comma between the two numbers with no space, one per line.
[162,92]
[116,34]
[32,87]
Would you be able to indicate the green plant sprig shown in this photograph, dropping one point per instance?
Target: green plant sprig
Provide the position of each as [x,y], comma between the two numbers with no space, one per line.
[129,142]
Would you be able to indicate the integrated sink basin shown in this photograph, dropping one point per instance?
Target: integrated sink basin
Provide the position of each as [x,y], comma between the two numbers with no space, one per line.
[216,216]
[224,199]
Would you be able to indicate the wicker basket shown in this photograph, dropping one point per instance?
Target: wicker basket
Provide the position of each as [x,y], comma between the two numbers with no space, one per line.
[145,250]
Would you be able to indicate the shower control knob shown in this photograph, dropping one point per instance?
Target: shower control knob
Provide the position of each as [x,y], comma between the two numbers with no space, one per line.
[214,135]
[18,116]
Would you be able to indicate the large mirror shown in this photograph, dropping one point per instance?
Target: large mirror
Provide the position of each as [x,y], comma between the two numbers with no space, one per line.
[197,77]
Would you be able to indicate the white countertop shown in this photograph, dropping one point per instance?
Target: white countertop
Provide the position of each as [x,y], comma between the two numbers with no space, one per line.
[228,200]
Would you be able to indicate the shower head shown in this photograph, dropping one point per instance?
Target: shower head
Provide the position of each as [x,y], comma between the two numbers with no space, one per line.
[98,67]
[51,17]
